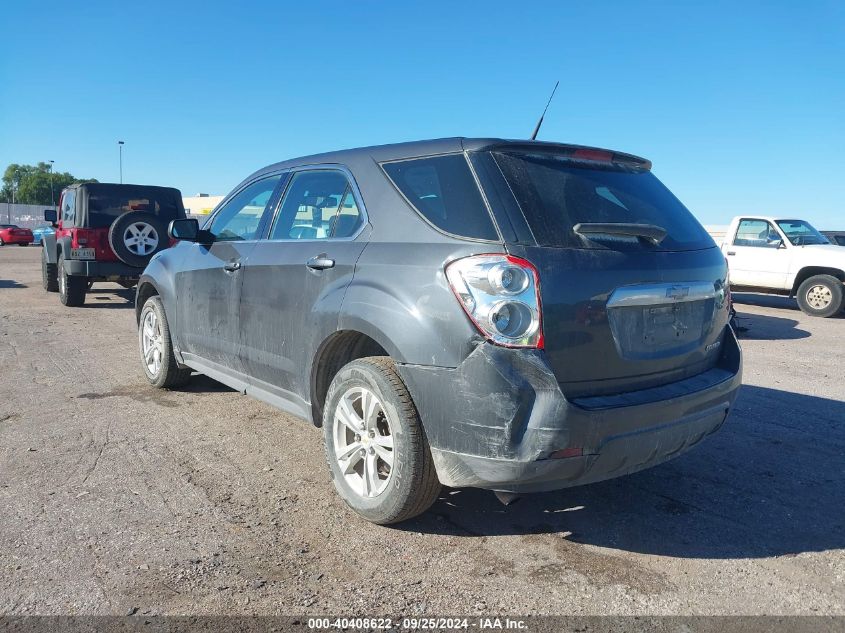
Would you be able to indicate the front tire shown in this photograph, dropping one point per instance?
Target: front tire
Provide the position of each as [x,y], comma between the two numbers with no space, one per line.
[23,244]
[49,273]
[156,348]
[72,288]
[378,455]
[820,295]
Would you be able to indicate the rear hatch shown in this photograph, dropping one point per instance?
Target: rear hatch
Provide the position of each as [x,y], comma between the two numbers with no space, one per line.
[632,287]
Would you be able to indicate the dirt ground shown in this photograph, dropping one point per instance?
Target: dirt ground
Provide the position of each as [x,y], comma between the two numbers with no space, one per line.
[117,498]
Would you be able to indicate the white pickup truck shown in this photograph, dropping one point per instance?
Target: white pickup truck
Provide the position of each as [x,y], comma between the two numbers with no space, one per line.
[788,257]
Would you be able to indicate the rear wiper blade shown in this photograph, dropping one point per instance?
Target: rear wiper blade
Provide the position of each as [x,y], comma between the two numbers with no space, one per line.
[650,232]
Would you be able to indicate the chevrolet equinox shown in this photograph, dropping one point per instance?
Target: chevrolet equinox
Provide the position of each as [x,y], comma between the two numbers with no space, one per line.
[510,315]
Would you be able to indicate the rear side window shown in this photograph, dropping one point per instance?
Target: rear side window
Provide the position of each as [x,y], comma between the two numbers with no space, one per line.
[443,191]
[68,208]
[556,194]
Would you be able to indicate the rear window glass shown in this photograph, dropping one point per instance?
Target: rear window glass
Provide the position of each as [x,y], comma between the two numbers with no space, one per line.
[555,195]
[443,191]
[105,206]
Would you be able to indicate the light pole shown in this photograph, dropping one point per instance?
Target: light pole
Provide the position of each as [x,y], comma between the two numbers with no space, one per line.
[52,197]
[15,180]
[120,149]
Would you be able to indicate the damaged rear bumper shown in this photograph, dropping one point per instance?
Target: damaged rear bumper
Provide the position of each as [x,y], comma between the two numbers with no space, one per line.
[494,421]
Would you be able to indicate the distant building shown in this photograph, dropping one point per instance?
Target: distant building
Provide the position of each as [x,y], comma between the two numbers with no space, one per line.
[200,204]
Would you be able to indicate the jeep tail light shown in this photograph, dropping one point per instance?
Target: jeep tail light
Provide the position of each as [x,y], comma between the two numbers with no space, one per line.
[82,238]
[501,296]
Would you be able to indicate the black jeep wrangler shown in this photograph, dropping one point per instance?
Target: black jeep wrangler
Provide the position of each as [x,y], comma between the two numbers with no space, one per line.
[105,232]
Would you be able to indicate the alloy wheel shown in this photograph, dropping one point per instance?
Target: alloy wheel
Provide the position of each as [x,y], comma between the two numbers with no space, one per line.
[363,442]
[152,342]
[140,238]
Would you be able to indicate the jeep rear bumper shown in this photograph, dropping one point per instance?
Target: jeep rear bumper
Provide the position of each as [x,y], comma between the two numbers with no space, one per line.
[496,420]
[104,271]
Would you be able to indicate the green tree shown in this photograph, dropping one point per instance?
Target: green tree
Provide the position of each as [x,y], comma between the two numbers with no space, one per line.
[32,183]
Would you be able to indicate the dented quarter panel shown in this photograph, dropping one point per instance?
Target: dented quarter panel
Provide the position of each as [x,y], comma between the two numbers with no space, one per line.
[400,298]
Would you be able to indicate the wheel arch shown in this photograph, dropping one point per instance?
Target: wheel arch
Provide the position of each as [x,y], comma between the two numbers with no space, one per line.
[811,271]
[335,351]
[146,289]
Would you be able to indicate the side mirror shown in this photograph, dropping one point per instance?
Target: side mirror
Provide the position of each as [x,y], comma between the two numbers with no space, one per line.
[187,229]
[51,216]
[781,244]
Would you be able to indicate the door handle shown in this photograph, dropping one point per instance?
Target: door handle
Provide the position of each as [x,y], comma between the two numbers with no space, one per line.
[320,262]
[231,267]
[731,252]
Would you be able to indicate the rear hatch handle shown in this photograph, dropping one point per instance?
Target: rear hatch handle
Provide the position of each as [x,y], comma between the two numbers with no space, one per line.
[650,232]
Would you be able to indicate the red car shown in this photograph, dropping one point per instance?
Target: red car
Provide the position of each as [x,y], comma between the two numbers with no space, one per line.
[13,234]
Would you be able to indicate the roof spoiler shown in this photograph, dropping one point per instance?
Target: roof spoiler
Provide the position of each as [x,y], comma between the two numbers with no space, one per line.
[579,153]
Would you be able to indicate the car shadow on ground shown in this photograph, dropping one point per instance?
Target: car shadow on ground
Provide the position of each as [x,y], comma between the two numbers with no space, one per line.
[769,483]
[200,383]
[105,298]
[771,301]
[11,283]
[765,301]
[767,328]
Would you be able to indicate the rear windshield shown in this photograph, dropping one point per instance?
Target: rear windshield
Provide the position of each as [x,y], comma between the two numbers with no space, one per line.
[443,191]
[105,206]
[556,194]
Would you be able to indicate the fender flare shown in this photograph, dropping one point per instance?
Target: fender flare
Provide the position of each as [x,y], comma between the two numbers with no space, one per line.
[51,251]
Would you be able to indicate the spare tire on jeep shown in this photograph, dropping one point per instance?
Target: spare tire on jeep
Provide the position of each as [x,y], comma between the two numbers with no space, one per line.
[136,236]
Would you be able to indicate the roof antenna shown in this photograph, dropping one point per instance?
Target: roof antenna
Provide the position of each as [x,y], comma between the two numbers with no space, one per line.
[540,122]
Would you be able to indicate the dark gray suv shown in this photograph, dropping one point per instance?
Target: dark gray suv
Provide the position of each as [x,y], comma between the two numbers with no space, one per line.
[517,316]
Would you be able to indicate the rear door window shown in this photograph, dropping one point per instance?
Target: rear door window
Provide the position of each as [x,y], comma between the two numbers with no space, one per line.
[318,205]
[556,193]
[443,191]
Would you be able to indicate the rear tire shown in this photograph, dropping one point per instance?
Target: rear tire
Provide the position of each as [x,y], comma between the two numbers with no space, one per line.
[49,274]
[821,295]
[23,244]
[72,288]
[156,347]
[388,444]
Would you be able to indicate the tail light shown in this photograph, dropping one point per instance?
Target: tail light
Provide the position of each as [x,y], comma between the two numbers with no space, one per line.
[501,296]
[82,238]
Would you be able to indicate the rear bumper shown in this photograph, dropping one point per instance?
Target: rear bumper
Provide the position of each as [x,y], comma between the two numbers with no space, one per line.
[494,421]
[106,271]
[18,239]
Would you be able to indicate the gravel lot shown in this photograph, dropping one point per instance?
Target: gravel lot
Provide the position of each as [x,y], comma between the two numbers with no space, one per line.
[117,498]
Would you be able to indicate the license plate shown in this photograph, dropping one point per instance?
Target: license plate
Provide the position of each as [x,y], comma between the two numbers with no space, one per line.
[82,253]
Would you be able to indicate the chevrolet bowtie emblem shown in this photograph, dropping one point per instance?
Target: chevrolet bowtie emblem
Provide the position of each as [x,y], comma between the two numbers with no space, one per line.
[677,292]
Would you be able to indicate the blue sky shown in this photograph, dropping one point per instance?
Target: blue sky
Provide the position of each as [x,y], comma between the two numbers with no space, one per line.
[740,105]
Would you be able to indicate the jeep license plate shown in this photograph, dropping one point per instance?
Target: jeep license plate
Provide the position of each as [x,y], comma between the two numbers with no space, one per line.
[82,253]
